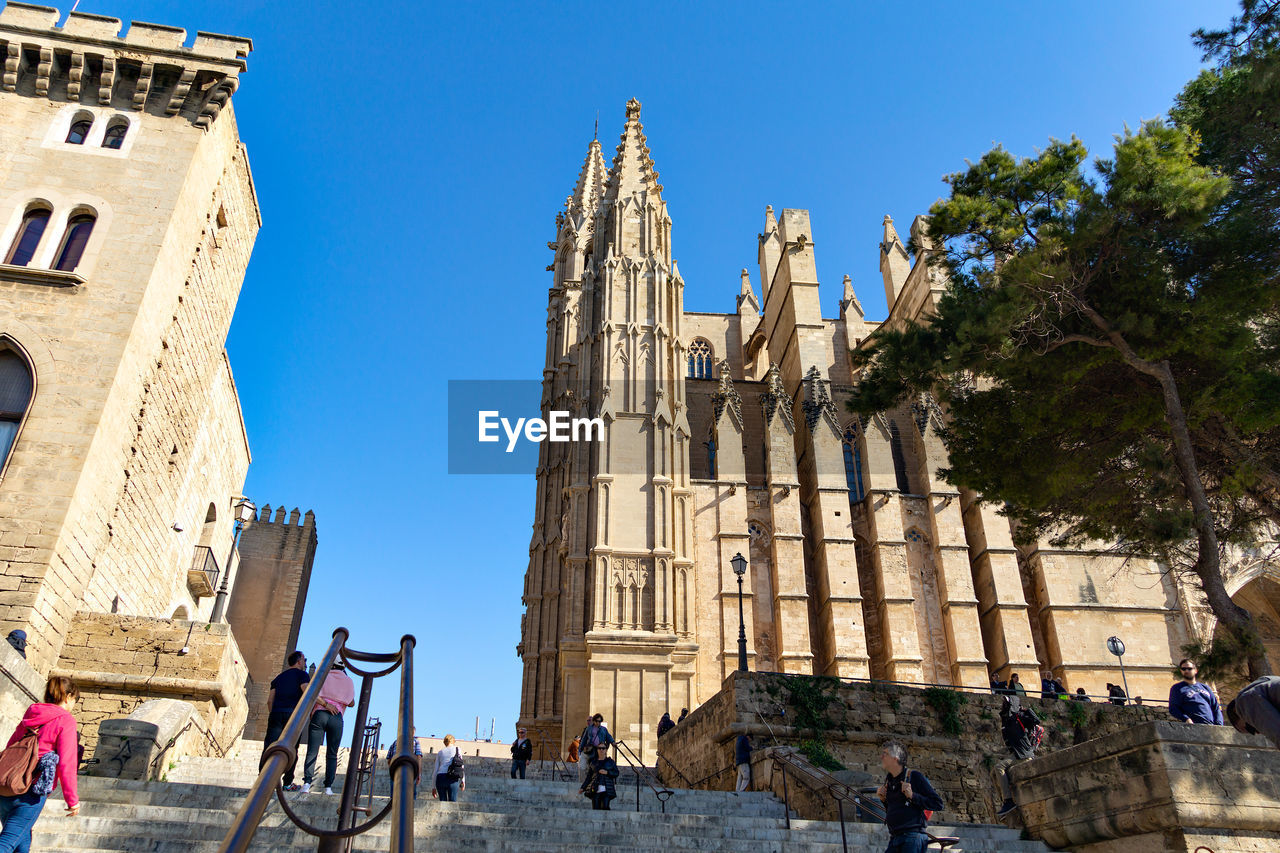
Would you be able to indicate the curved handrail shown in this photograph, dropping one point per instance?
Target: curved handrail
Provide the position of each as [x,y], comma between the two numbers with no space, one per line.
[279,755]
[790,758]
[641,772]
[683,777]
[558,765]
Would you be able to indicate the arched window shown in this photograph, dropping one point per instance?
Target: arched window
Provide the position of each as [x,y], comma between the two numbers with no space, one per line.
[700,360]
[79,131]
[115,134]
[210,524]
[899,459]
[28,237]
[853,466]
[79,227]
[16,385]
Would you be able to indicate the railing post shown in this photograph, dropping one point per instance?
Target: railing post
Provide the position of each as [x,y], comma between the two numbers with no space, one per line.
[844,842]
[405,767]
[346,809]
[786,796]
[636,771]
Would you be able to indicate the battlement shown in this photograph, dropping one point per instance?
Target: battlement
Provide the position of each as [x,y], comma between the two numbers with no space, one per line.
[87,60]
[295,518]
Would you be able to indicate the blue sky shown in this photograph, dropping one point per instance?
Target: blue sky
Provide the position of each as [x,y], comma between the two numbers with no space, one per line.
[410,160]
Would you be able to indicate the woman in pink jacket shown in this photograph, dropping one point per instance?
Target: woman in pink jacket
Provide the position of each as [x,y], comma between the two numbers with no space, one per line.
[59,761]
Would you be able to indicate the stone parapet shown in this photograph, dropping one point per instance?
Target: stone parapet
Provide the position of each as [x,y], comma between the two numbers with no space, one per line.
[1159,787]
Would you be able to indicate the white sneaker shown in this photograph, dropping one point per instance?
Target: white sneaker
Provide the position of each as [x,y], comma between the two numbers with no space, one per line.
[328,792]
[306,787]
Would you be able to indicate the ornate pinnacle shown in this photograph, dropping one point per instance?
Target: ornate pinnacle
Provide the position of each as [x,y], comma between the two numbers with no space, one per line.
[633,109]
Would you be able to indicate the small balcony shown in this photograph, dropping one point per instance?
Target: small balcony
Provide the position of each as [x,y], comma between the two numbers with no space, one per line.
[202,577]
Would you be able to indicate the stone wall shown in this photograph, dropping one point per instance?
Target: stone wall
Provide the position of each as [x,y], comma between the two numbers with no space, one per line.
[20,685]
[860,717]
[120,661]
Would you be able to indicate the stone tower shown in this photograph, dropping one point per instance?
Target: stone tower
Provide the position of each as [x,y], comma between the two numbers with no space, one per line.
[271,592]
[609,625]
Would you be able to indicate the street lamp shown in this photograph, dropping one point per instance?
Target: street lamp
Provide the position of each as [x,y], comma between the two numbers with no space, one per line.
[244,510]
[740,569]
[1115,645]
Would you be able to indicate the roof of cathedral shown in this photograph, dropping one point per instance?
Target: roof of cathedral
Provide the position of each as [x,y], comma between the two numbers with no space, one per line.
[632,170]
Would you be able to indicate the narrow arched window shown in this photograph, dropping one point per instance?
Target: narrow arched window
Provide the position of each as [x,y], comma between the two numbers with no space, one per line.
[79,227]
[16,384]
[700,360]
[115,134]
[79,131]
[899,459]
[853,466]
[28,238]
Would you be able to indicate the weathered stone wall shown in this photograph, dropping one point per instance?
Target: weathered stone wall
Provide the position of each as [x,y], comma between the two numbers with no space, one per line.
[861,716]
[270,593]
[20,685]
[121,661]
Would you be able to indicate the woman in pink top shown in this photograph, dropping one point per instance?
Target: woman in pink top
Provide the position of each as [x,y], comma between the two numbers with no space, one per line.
[59,760]
[337,694]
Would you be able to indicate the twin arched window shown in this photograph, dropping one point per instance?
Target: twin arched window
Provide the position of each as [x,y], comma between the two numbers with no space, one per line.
[16,385]
[113,138]
[34,223]
[700,360]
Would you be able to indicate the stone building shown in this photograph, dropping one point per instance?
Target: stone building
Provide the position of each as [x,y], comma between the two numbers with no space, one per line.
[727,433]
[127,218]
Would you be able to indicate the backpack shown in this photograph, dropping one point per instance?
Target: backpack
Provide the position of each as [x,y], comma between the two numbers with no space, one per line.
[18,764]
[1029,724]
[456,766]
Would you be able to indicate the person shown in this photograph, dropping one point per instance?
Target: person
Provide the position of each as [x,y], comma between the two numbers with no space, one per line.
[1021,731]
[1081,696]
[573,751]
[18,639]
[521,754]
[337,694]
[595,734]
[742,760]
[601,787]
[448,784]
[906,795]
[1050,687]
[417,750]
[997,686]
[684,712]
[666,724]
[56,746]
[1256,708]
[1117,694]
[286,690]
[1015,686]
[1193,702]
[582,752]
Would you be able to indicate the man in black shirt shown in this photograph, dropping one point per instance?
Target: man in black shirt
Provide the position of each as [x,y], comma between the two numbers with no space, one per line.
[906,795]
[286,689]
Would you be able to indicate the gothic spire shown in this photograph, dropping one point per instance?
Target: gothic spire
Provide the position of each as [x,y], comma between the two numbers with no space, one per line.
[632,170]
[591,179]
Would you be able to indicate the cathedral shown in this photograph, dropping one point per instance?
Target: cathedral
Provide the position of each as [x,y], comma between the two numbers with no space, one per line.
[727,433]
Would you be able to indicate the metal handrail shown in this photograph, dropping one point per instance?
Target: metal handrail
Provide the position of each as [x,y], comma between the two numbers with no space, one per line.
[1038,693]
[683,777]
[153,772]
[367,772]
[283,753]
[558,764]
[788,757]
[663,794]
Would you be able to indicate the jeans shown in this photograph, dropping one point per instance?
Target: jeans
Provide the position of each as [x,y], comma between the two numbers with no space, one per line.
[327,727]
[276,722]
[518,766]
[446,788]
[1002,768]
[18,814]
[908,842]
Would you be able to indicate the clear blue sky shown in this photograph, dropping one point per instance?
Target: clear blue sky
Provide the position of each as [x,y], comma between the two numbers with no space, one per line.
[410,159]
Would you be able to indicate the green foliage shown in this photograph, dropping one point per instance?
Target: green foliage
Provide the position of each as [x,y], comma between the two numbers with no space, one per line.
[1077,714]
[819,755]
[1108,346]
[947,703]
[810,697]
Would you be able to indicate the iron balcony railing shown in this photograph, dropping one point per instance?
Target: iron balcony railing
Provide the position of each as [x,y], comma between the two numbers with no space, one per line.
[202,577]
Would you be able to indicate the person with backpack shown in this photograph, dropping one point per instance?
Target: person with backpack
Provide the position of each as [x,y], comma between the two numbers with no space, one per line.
[1022,733]
[42,752]
[909,801]
[451,776]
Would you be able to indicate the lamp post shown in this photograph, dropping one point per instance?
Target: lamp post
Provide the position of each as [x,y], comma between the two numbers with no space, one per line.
[740,569]
[244,511]
[1115,645]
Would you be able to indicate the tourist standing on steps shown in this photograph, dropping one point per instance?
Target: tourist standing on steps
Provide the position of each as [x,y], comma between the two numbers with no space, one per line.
[594,735]
[583,761]
[602,788]
[906,795]
[1015,686]
[451,777]
[665,725]
[57,751]
[573,751]
[286,691]
[1193,702]
[1117,694]
[684,712]
[521,754]
[1021,730]
[337,694]
[417,750]
[1256,709]
[742,760]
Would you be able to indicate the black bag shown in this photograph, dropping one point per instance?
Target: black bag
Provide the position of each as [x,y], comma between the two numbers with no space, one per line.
[456,766]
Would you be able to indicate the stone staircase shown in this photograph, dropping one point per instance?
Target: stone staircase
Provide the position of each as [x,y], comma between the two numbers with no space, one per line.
[192,809]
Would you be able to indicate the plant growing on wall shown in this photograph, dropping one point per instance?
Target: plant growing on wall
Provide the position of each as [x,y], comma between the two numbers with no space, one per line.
[946,703]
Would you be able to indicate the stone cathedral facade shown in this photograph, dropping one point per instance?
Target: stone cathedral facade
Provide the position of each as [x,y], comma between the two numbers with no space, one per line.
[727,433]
